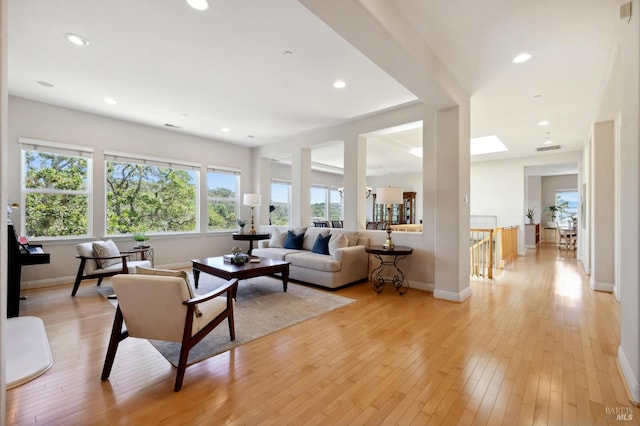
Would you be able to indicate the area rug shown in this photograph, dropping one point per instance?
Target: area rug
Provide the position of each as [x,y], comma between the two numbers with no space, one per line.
[261,308]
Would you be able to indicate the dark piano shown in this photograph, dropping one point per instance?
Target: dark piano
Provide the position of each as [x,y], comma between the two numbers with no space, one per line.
[20,254]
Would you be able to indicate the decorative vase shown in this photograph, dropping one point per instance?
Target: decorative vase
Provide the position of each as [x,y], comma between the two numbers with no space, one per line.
[241,230]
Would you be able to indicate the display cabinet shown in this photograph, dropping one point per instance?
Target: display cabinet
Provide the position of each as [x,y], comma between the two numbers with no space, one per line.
[400,213]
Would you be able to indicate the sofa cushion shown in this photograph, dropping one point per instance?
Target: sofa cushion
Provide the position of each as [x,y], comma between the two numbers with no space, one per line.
[106,249]
[315,261]
[273,253]
[277,238]
[311,235]
[321,246]
[171,273]
[293,241]
[337,242]
[352,236]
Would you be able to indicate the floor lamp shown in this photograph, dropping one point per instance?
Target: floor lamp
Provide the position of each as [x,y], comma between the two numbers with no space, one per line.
[252,200]
[389,196]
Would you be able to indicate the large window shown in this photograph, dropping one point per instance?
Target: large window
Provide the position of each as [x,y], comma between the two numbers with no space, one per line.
[335,204]
[150,195]
[281,201]
[568,200]
[56,189]
[318,197]
[326,203]
[222,199]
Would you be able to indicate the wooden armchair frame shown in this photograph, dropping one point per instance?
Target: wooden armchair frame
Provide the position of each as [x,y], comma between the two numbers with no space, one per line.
[188,341]
[83,262]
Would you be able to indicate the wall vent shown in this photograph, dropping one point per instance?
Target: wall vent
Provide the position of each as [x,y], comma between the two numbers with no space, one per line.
[548,148]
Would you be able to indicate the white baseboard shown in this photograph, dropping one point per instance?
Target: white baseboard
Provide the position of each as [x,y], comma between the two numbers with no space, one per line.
[608,287]
[50,282]
[627,372]
[421,286]
[451,296]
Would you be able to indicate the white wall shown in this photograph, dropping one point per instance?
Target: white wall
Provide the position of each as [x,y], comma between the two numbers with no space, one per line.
[498,187]
[47,122]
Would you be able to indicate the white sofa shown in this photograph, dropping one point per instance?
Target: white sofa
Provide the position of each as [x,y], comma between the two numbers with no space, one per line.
[348,262]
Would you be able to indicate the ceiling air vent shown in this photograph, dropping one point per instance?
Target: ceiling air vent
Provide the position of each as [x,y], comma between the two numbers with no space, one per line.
[548,148]
[173,126]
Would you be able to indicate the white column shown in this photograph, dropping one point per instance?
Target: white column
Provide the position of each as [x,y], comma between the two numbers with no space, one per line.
[355,181]
[452,205]
[301,187]
[602,207]
[629,259]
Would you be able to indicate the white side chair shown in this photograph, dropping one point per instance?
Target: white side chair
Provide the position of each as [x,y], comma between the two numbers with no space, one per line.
[90,267]
[160,308]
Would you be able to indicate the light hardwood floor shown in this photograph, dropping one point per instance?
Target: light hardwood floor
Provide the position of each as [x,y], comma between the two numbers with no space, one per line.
[533,346]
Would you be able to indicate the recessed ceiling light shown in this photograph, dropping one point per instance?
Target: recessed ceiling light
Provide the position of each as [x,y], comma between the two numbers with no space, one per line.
[523,57]
[76,39]
[250,136]
[44,83]
[287,53]
[486,145]
[225,129]
[198,4]
[548,142]
[537,96]
[110,101]
[543,123]
[339,84]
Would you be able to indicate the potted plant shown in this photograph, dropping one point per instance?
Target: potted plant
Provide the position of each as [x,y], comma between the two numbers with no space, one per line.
[241,223]
[239,258]
[530,213]
[140,238]
[555,210]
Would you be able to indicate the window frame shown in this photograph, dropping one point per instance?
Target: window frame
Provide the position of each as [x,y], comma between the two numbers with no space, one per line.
[228,171]
[145,160]
[56,148]
[271,201]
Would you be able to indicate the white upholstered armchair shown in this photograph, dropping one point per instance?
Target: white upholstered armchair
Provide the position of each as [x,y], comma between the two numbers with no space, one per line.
[99,259]
[160,308]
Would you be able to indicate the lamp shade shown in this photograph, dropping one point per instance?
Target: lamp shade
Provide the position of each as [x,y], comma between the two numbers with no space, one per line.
[389,195]
[252,199]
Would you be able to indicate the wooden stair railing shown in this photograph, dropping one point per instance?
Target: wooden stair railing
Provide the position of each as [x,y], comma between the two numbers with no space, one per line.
[492,248]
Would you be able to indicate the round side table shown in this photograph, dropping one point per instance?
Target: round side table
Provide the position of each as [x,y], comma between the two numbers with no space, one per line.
[389,258]
[251,238]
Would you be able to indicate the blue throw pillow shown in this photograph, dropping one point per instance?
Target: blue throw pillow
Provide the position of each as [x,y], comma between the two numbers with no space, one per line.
[294,241]
[321,246]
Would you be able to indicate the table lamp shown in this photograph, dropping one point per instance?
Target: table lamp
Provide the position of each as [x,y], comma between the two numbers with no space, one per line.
[252,200]
[389,196]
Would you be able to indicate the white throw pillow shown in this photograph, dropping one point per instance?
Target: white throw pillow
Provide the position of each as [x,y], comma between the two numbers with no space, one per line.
[340,241]
[141,270]
[106,249]
[277,238]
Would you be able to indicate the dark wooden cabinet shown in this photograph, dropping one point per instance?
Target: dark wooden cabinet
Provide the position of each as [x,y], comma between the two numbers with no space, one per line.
[400,213]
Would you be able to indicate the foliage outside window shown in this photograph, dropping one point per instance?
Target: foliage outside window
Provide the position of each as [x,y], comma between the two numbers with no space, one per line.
[222,199]
[281,200]
[56,190]
[150,196]
[318,197]
[335,204]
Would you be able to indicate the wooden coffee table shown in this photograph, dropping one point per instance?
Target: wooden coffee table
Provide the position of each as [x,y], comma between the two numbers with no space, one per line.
[216,266]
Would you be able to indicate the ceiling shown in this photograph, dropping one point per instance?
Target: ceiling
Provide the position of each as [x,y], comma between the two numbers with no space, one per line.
[264,69]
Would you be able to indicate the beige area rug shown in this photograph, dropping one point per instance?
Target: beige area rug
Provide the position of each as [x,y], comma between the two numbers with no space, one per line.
[261,308]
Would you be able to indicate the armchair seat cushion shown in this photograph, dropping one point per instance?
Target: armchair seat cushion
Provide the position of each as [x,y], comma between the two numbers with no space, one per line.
[209,310]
